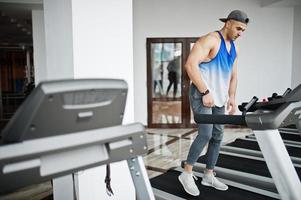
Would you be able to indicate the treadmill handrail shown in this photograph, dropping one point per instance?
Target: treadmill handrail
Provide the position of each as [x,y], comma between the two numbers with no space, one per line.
[220,119]
[38,160]
[286,114]
[48,144]
[288,97]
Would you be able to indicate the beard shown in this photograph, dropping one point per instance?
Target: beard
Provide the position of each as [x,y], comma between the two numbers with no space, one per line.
[235,37]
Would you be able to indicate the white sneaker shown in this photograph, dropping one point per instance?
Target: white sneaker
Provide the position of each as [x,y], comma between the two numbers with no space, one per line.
[209,179]
[187,181]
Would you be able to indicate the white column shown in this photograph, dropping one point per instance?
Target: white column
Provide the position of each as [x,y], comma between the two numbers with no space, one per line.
[103,43]
[58,39]
[39,51]
[103,48]
[93,39]
[58,63]
[63,188]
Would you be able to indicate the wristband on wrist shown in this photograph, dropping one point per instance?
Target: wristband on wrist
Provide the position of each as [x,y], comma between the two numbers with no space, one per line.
[205,93]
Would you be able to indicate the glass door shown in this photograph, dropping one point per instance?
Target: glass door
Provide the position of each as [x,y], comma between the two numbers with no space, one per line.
[168,104]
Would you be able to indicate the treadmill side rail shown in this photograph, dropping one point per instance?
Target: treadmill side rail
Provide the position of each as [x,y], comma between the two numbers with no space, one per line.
[279,163]
[140,179]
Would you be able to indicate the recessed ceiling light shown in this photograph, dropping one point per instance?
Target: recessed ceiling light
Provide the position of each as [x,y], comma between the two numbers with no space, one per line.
[13,20]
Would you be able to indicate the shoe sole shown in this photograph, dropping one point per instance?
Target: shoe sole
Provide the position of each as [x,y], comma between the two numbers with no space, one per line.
[185,188]
[209,185]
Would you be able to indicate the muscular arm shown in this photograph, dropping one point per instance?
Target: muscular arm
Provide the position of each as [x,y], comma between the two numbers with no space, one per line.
[233,81]
[231,105]
[199,53]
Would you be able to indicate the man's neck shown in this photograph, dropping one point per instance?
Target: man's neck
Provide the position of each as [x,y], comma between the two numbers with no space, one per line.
[223,31]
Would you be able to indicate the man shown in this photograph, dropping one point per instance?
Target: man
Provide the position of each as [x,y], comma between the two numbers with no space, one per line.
[173,68]
[212,68]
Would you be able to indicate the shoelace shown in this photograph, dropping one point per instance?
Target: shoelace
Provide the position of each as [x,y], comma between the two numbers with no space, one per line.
[192,183]
[193,176]
[214,173]
[213,177]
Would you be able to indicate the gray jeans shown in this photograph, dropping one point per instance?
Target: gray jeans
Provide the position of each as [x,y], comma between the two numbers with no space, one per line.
[207,133]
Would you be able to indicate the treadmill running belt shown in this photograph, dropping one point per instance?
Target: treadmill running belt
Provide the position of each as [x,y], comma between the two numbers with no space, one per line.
[292,126]
[293,137]
[243,164]
[169,182]
[253,145]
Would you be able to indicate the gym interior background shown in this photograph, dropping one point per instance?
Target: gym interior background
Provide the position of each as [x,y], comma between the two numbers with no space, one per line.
[55,39]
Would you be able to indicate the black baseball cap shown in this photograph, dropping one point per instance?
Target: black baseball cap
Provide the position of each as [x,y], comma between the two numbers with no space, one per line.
[237,15]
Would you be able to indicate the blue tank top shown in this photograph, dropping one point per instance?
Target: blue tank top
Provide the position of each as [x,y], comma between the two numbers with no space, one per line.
[217,72]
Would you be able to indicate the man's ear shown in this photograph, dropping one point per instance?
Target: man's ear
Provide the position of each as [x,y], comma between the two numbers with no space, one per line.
[228,23]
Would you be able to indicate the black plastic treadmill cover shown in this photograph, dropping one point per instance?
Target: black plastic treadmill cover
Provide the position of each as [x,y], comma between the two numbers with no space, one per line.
[169,182]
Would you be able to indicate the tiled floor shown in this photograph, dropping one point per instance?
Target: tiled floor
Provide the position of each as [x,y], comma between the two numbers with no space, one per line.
[34,192]
[166,149]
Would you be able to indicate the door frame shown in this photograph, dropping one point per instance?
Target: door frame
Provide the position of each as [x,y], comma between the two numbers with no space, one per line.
[185,82]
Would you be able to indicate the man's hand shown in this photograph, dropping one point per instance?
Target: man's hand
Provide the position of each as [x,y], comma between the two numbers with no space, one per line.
[231,106]
[208,100]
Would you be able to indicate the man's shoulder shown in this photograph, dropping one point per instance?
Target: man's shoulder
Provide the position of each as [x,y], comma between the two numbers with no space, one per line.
[210,38]
[211,35]
[214,35]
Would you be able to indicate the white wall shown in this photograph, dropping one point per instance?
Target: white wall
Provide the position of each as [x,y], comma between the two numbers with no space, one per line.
[103,48]
[103,43]
[296,70]
[266,47]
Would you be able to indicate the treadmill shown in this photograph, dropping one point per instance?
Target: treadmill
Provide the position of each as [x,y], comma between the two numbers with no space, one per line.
[264,118]
[289,129]
[249,170]
[290,136]
[287,139]
[249,147]
[66,126]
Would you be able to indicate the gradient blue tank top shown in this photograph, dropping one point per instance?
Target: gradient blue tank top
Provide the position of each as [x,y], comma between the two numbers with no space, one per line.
[217,72]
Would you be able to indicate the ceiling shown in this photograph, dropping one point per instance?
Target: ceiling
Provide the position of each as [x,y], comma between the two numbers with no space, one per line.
[16,21]
[280,3]
[16,24]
